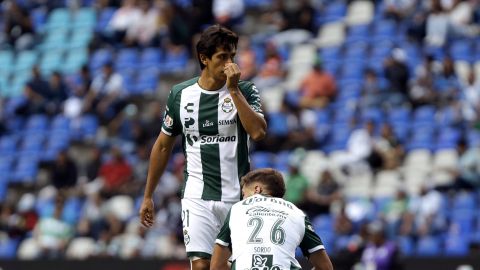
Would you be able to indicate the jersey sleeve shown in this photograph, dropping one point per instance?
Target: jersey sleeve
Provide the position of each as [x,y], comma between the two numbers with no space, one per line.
[311,242]
[253,98]
[224,236]
[171,123]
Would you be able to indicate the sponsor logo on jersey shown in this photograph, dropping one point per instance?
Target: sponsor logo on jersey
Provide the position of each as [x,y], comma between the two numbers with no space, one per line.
[204,139]
[207,123]
[263,211]
[227,122]
[227,105]
[191,139]
[168,121]
[189,107]
[186,237]
[189,122]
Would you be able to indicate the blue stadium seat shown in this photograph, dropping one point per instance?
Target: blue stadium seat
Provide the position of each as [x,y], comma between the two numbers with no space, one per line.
[262,159]
[26,170]
[464,201]
[59,18]
[146,83]
[461,50]
[99,58]
[401,130]
[333,12]
[151,59]
[126,60]
[281,161]
[323,223]
[8,145]
[361,31]
[462,221]
[292,98]
[25,61]
[456,246]
[385,29]
[174,61]
[406,245]
[84,18]
[381,48]
[277,124]
[338,138]
[8,247]
[429,246]
[50,62]
[55,40]
[72,210]
[473,137]
[39,17]
[89,126]
[448,138]
[32,142]
[38,122]
[373,114]
[330,54]
[424,114]
[6,61]
[353,70]
[104,18]
[60,122]
[356,51]
[80,38]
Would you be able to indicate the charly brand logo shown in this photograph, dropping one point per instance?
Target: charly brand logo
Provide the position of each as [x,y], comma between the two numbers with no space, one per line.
[227,105]
[189,122]
[207,123]
[186,237]
[191,139]
[189,107]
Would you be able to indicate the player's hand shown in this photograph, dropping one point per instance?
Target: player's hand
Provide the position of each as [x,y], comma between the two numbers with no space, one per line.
[233,75]
[147,214]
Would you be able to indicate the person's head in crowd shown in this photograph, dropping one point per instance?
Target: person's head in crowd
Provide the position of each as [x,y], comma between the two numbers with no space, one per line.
[376,232]
[266,181]
[108,69]
[215,47]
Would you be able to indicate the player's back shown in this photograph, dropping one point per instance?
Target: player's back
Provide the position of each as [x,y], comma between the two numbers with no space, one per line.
[265,231]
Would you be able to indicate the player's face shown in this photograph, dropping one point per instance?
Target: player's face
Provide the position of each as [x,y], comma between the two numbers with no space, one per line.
[217,63]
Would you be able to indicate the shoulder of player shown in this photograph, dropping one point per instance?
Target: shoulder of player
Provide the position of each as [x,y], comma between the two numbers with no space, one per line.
[178,88]
[245,86]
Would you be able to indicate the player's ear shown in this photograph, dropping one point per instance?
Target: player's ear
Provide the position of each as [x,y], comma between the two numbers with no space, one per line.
[203,58]
[258,189]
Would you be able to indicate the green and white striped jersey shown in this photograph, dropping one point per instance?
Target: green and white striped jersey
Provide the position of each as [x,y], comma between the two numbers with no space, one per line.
[263,233]
[214,141]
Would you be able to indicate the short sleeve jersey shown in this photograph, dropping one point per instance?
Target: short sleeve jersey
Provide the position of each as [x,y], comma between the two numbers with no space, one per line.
[215,143]
[264,232]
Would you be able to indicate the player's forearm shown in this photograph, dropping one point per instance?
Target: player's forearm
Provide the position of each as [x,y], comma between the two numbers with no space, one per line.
[158,161]
[320,260]
[253,123]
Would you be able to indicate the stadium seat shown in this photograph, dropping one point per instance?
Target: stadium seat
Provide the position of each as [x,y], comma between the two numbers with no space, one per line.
[150,59]
[104,18]
[126,60]
[8,247]
[39,17]
[428,246]
[50,62]
[331,35]
[59,18]
[84,18]
[277,124]
[385,29]
[99,58]
[360,12]
[25,170]
[55,40]
[282,160]
[262,159]
[448,138]
[80,38]
[335,11]
[387,183]
[461,50]
[313,165]
[464,201]
[445,159]
[462,221]
[338,138]
[25,61]
[6,62]
[456,246]
[330,53]
[8,145]
[406,245]
[323,223]
[28,249]
[146,83]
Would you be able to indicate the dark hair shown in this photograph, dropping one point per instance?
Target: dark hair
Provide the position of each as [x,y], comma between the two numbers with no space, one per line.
[271,179]
[215,36]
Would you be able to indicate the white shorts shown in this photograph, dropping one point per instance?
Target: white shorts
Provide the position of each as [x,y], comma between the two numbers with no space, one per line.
[202,221]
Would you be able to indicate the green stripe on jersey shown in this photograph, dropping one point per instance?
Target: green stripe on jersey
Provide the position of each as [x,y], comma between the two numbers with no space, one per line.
[210,153]
[243,164]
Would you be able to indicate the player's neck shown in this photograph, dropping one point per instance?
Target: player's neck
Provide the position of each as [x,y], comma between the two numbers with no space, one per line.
[208,83]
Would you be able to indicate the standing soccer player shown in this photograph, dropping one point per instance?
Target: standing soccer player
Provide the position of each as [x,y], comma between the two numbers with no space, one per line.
[216,114]
[262,231]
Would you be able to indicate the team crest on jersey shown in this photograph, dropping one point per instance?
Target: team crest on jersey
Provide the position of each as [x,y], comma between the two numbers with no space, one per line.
[168,121]
[227,105]
[186,237]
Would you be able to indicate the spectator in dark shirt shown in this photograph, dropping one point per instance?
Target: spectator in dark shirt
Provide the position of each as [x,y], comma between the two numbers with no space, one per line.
[36,93]
[18,26]
[64,171]
[379,254]
[323,195]
[57,95]
[397,74]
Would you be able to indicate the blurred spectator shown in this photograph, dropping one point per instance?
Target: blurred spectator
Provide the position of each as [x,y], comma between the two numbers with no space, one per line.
[380,253]
[301,129]
[392,213]
[320,197]
[399,9]
[437,25]
[115,174]
[123,18]
[79,85]
[53,233]
[91,217]
[228,13]
[446,83]
[18,26]
[372,96]
[271,72]
[361,150]
[397,74]
[343,225]
[461,18]
[58,94]
[93,164]
[25,218]
[246,59]
[317,88]
[142,30]
[423,216]
[389,148]
[296,182]
[416,27]
[421,91]
[201,14]
[37,91]
[64,171]
[152,116]
[470,98]
[106,96]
